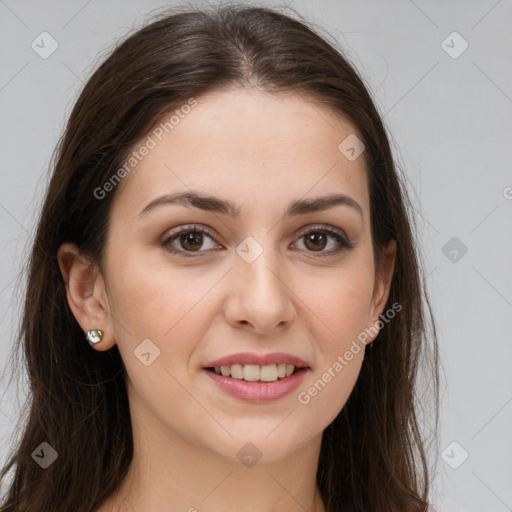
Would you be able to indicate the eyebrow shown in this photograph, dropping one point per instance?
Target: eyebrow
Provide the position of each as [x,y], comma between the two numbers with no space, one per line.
[224,207]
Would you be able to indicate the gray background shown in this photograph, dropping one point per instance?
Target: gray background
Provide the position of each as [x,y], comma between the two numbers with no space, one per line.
[451,126]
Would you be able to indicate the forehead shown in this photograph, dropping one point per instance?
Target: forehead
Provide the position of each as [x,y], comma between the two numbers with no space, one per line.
[250,146]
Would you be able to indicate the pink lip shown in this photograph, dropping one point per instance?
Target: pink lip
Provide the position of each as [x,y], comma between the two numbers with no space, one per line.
[259,359]
[258,391]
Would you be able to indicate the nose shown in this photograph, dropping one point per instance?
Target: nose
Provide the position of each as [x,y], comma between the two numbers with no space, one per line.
[260,296]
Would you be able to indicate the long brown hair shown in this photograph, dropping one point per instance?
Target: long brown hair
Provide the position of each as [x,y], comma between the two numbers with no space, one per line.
[373,455]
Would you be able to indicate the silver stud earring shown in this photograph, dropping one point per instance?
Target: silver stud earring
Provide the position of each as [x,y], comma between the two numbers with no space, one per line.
[94,336]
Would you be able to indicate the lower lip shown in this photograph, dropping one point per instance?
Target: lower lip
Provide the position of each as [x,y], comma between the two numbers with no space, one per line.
[258,392]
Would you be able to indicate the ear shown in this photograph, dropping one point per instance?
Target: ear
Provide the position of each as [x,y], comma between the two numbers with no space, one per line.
[381,288]
[85,292]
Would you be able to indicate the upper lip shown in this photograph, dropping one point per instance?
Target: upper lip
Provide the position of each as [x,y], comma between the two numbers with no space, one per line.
[259,359]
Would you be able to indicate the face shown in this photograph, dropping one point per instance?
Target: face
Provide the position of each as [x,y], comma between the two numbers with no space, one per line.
[184,286]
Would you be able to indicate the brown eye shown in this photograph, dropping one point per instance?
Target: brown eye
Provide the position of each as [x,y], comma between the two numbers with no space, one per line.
[188,240]
[191,241]
[316,241]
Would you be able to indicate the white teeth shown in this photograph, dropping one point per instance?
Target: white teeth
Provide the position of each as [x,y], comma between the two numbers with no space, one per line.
[237,371]
[268,373]
[254,372]
[251,372]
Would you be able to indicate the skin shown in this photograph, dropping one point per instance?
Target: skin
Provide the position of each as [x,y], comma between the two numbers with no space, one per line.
[261,151]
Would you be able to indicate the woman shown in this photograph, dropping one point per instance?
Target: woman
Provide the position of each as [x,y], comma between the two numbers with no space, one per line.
[224,307]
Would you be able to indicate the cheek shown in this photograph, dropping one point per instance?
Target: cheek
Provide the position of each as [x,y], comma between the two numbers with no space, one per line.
[340,310]
[323,396]
[153,298]
[159,303]
[340,305]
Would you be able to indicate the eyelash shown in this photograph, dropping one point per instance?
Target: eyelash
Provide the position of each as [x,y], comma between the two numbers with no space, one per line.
[345,244]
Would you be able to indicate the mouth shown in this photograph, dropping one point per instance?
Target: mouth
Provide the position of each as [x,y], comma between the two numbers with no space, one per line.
[256,373]
[257,384]
[257,378]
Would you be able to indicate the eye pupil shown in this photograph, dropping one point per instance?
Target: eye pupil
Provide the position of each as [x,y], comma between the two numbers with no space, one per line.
[191,237]
[314,237]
